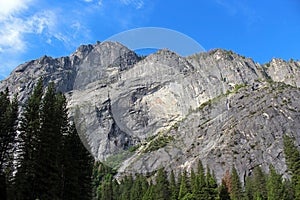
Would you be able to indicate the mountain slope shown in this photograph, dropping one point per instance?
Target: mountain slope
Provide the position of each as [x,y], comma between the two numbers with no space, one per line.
[167,110]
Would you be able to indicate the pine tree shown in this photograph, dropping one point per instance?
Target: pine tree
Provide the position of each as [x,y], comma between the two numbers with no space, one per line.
[274,184]
[77,168]
[293,163]
[200,187]
[248,188]
[259,184]
[99,171]
[223,192]
[184,185]
[236,186]
[139,187]
[173,187]
[211,185]
[28,149]
[149,195]
[50,148]
[288,190]
[126,187]
[8,130]
[52,161]
[193,182]
[107,190]
[116,190]
[161,188]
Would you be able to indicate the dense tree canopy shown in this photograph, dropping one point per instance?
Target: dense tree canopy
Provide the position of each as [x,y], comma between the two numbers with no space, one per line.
[50,160]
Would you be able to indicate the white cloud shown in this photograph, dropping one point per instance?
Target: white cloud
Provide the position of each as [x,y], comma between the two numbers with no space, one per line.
[25,24]
[13,29]
[9,7]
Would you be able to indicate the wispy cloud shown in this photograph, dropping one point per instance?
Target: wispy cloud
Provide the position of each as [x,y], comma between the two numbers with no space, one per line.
[12,7]
[26,24]
[13,32]
[16,27]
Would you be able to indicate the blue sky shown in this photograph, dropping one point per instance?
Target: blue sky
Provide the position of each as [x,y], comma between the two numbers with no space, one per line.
[257,29]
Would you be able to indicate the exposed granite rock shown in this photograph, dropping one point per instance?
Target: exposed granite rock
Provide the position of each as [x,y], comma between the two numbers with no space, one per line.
[216,106]
[282,71]
[244,127]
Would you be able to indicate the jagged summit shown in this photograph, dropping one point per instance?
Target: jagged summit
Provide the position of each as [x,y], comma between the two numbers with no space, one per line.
[216,106]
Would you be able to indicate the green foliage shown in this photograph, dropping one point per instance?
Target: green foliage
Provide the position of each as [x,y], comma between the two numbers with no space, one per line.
[107,189]
[293,162]
[29,137]
[203,105]
[259,184]
[223,192]
[134,148]
[196,186]
[236,186]
[288,190]
[158,142]
[274,184]
[52,161]
[173,187]
[161,188]
[248,188]
[116,160]
[184,188]
[239,86]
[8,131]
[211,187]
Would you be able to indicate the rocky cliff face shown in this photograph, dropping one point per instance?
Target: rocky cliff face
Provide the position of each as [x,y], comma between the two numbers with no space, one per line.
[166,110]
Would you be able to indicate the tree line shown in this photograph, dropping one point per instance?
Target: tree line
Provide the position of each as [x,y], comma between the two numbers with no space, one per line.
[202,184]
[195,185]
[42,156]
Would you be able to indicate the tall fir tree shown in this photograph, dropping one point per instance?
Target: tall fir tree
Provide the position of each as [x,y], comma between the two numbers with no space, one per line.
[211,187]
[161,187]
[248,195]
[288,190]
[28,148]
[149,195]
[292,156]
[127,184]
[236,186]
[274,184]
[259,184]
[50,148]
[8,131]
[173,186]
[107,189]
[200,192]
[193,181]
[76,169]
[139,187]
[184,185]
[52,161]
